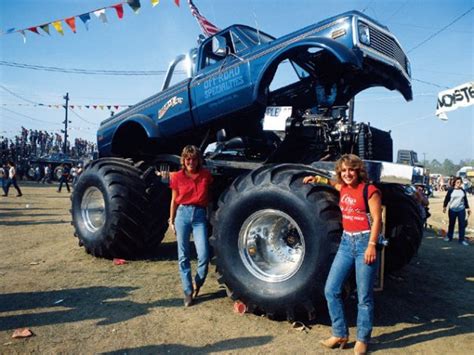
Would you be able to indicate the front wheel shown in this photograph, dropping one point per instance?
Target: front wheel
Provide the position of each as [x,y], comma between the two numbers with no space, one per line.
[117,212]
[274,238]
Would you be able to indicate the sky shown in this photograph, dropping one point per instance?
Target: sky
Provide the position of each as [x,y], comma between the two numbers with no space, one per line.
[438,40]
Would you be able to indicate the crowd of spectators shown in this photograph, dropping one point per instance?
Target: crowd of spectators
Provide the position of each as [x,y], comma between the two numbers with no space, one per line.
[31,144]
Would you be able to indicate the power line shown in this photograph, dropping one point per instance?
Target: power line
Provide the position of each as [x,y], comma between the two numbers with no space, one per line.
[396,11]
[18,96]
[441,30]
[29,117]
[367,6]
[86,71]
[82,118]
[430,83]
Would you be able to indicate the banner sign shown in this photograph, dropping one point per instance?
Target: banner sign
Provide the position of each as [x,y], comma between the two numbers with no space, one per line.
[452,99]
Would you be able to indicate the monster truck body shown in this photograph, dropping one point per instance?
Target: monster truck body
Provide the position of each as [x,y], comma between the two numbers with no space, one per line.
[267,112]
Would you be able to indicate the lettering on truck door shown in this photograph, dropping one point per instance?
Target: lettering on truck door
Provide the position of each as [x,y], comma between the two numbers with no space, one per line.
[221,85]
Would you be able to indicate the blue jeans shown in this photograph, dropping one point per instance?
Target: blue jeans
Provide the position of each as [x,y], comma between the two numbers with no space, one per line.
[351,253]
[461,216]
[192,219]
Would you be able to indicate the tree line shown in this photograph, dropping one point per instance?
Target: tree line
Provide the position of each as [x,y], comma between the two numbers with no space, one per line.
[447,167]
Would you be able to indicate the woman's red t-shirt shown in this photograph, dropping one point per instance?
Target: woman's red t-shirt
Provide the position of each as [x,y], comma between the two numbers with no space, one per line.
[191,190]
[351,202]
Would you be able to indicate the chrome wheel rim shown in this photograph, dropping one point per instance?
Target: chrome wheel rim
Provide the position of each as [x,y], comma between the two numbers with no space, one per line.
[93,209]
[271,245]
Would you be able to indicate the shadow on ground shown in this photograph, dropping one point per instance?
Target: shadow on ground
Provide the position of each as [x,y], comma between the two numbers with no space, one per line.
[224,345]
[105,304]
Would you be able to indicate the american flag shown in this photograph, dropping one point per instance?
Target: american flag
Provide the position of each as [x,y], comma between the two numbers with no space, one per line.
[207,28]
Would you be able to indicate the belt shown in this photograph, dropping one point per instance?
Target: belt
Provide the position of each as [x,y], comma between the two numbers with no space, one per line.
[356,234]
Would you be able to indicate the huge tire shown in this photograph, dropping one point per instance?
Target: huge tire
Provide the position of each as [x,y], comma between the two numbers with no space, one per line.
[274,238]
[404,226]
[119,210]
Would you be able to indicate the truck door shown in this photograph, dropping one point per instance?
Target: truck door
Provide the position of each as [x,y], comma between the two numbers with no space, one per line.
[222,84]
[173,108]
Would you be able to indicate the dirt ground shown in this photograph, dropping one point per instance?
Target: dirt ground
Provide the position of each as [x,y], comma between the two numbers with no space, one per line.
[75,303]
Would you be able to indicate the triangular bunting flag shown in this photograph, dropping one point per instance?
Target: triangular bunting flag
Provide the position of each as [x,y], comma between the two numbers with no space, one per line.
[10,30]
[101,107]
[116,107]
[135,5]
[176,2]
[85,18]
[45,28]
[87,106]
[94,106]
[71,21]
[119,9]
[79,107]
[109,107]
[24,35]
[101,15]
[34,29]
[155,2]
[58,26]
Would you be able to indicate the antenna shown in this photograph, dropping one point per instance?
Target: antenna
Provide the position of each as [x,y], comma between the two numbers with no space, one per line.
[256,26]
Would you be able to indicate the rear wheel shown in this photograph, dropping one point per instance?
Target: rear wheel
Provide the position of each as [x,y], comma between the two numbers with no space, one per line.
[274,238]
[404,226]
[118,210]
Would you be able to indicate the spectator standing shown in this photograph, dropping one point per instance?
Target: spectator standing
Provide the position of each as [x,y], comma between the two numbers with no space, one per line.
[189,199]
[47,174]
[64,177]
[12,180]
[37,174]
[4,176]
[357,250]
[423,203]
[456,198]
[78,172]
[73,175]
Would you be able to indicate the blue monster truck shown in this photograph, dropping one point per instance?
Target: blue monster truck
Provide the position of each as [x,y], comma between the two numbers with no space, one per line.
[267,112]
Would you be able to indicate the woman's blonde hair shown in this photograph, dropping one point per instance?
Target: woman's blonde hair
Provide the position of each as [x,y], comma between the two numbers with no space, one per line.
[191,151]
[354,162]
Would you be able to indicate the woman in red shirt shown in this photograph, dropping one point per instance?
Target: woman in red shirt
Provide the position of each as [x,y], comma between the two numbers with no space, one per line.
[357,249]
[189,199]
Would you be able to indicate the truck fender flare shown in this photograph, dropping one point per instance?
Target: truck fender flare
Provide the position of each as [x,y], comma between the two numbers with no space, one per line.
[341,52]
[144,121]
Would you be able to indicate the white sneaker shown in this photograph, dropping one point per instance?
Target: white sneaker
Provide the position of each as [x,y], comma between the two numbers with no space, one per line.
[466,244]
[446,239]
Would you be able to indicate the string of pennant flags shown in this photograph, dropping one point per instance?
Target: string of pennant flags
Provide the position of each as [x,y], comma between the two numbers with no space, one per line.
[85,18]
[72,107]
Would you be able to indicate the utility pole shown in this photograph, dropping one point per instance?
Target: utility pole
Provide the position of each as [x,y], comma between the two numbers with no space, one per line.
[65,124]
[424,158]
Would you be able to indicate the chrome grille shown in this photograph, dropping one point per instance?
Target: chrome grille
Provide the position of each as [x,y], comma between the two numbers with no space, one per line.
[386,45]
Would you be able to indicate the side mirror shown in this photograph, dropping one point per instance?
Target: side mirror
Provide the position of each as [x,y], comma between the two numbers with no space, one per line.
[219,46]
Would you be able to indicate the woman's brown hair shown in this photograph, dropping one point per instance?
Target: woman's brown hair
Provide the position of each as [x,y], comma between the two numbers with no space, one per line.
[191,151]
[354,162]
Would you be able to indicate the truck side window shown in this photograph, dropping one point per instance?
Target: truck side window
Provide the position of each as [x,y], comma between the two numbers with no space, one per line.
[239,46]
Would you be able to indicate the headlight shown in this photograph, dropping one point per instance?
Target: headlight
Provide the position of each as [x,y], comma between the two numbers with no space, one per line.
[408,68]
[364,34]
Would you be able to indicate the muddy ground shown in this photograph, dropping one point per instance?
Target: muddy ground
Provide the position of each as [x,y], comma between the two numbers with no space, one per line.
[75,303]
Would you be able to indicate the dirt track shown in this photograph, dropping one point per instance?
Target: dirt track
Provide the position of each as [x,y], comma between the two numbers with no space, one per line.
[75,303]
